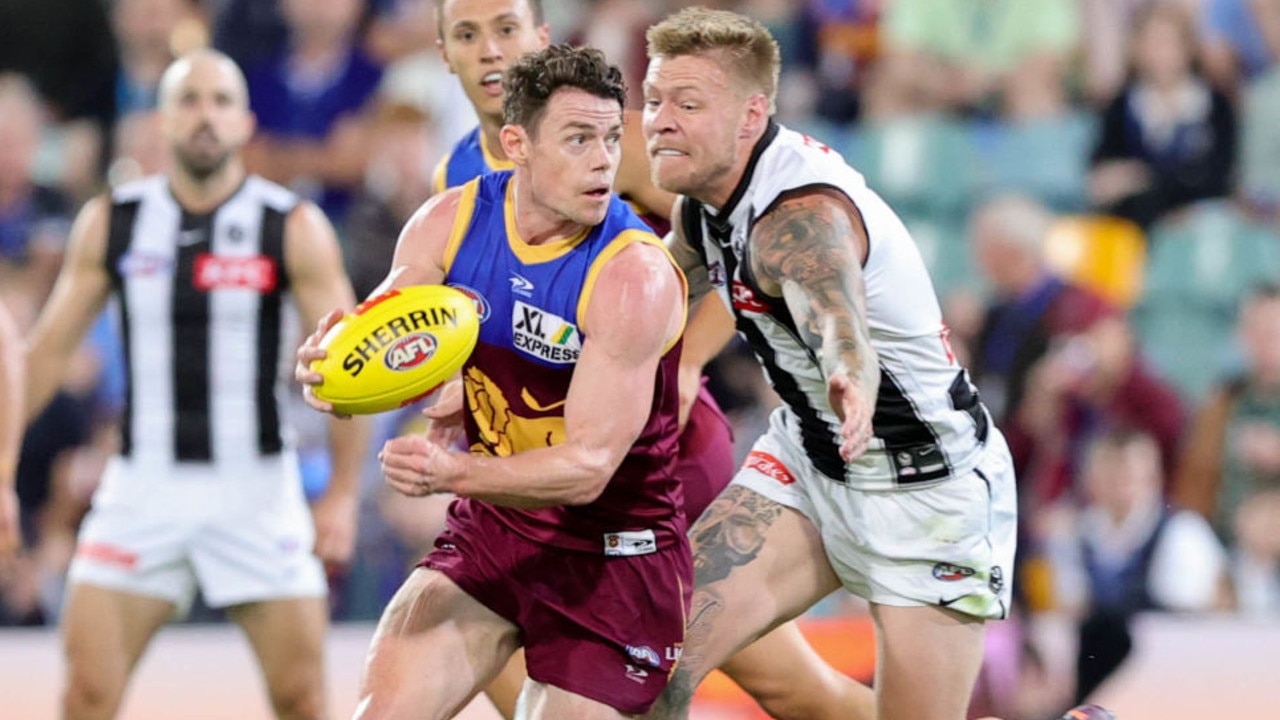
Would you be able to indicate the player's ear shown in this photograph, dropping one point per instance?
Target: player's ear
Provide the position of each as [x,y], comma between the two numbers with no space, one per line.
[757,114]
[515,143]
[444,55]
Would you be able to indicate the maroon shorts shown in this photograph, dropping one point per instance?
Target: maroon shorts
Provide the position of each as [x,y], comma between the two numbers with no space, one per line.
[606,628]
[705,465]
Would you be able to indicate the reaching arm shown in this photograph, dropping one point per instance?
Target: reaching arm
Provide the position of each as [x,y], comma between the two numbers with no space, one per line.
[687,258]
[11,379]
[635,313]
[78,296]
[710,325]
[809,250]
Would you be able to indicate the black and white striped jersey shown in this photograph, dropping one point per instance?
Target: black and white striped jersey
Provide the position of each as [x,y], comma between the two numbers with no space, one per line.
[203,318]
[928,423]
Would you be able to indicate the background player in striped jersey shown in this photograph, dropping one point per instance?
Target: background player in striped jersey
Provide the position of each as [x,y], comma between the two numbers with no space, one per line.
[478,39]
[11,381]
[205,490]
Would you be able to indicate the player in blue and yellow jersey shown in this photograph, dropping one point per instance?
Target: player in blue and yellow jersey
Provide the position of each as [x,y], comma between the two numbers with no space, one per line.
[478,38]
[567,535]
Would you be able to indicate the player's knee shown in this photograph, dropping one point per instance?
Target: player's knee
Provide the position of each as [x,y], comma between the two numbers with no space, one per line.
[298,698]
[91,695]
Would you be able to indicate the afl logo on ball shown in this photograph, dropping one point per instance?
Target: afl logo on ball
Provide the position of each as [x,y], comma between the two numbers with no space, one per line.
[482,305]
[410,351]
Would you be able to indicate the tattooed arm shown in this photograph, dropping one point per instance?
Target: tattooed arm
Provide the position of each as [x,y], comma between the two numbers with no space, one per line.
[809,250]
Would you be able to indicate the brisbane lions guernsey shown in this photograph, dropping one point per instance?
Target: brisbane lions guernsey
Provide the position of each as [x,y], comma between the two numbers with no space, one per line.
[469,159]
[201,302]
[532,300]
[928,423]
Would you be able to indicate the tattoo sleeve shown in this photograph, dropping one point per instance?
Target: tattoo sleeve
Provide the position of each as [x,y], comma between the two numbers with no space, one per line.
[805,247]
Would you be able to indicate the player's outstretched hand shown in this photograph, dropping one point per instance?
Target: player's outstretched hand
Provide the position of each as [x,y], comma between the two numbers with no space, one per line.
[853,408]
[309,352]
[416,466]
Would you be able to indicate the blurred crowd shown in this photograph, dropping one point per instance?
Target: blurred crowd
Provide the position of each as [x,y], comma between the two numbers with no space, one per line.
[1095,185]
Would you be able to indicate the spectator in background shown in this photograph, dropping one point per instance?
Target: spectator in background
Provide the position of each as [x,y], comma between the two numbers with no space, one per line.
[836,41]
[67,51]
[34,219]
[1256,565]
[1168,139]
[397,183]
[1126,551]
[313,102]
[1003,57]
[1108,29]
[1233,451]
[147,37]
[1032,307]
[1241,40]
[1083,385]
[138,148]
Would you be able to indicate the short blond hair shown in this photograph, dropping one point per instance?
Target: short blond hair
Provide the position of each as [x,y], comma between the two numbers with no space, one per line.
[749,51]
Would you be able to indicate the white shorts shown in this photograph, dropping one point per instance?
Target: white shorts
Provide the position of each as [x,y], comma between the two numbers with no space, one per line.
[238,537]
[948,543]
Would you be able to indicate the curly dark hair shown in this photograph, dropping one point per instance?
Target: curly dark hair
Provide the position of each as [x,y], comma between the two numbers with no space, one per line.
[536,76]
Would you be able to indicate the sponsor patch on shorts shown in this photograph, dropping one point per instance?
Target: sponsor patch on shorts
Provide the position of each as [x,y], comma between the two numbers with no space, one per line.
[628,543]
[766,464]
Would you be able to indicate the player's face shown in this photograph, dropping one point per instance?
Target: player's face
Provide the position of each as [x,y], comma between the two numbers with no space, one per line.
[205,116]
[480,38]
[573,156]
[693,116]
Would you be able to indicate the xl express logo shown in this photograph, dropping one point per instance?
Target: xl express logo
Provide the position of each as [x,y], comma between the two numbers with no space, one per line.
[544,335]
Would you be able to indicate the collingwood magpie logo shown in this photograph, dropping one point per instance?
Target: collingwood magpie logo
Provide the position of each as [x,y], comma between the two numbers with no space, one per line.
[543,335]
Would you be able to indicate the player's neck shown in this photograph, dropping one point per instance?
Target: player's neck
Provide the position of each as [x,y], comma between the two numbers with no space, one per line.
[204,194]
[719,192]
[536,223]
[490,135]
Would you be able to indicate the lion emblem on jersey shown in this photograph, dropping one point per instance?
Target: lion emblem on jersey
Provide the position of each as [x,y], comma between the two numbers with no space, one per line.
[502,432]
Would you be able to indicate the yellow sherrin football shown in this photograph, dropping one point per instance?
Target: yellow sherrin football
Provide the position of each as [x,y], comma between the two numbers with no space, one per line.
[396,348]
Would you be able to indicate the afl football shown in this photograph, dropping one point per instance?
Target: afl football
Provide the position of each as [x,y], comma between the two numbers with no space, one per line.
[396,348]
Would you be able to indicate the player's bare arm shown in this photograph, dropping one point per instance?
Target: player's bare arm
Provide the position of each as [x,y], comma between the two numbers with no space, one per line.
[687,257]
[710,325]
[634,314]
[11,424]
[318,282]
[79,294]
[809,250]
[418,260]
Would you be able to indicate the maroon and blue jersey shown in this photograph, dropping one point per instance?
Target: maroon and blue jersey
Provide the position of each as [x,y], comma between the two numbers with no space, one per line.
[532,301]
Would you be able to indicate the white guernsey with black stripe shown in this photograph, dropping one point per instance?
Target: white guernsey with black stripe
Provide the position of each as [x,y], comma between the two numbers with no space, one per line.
[201,301]
[929,424]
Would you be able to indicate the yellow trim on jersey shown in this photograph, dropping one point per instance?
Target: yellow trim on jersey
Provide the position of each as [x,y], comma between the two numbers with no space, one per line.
[615,246]
[461,222]
[439,176]
[530,254]
[493,161]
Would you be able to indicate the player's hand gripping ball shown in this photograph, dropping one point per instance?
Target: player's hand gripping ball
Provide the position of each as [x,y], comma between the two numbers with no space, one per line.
[396,348]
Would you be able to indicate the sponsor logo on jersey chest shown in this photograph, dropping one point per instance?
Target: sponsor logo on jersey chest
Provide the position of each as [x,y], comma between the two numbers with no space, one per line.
[220,272]
[544,335]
